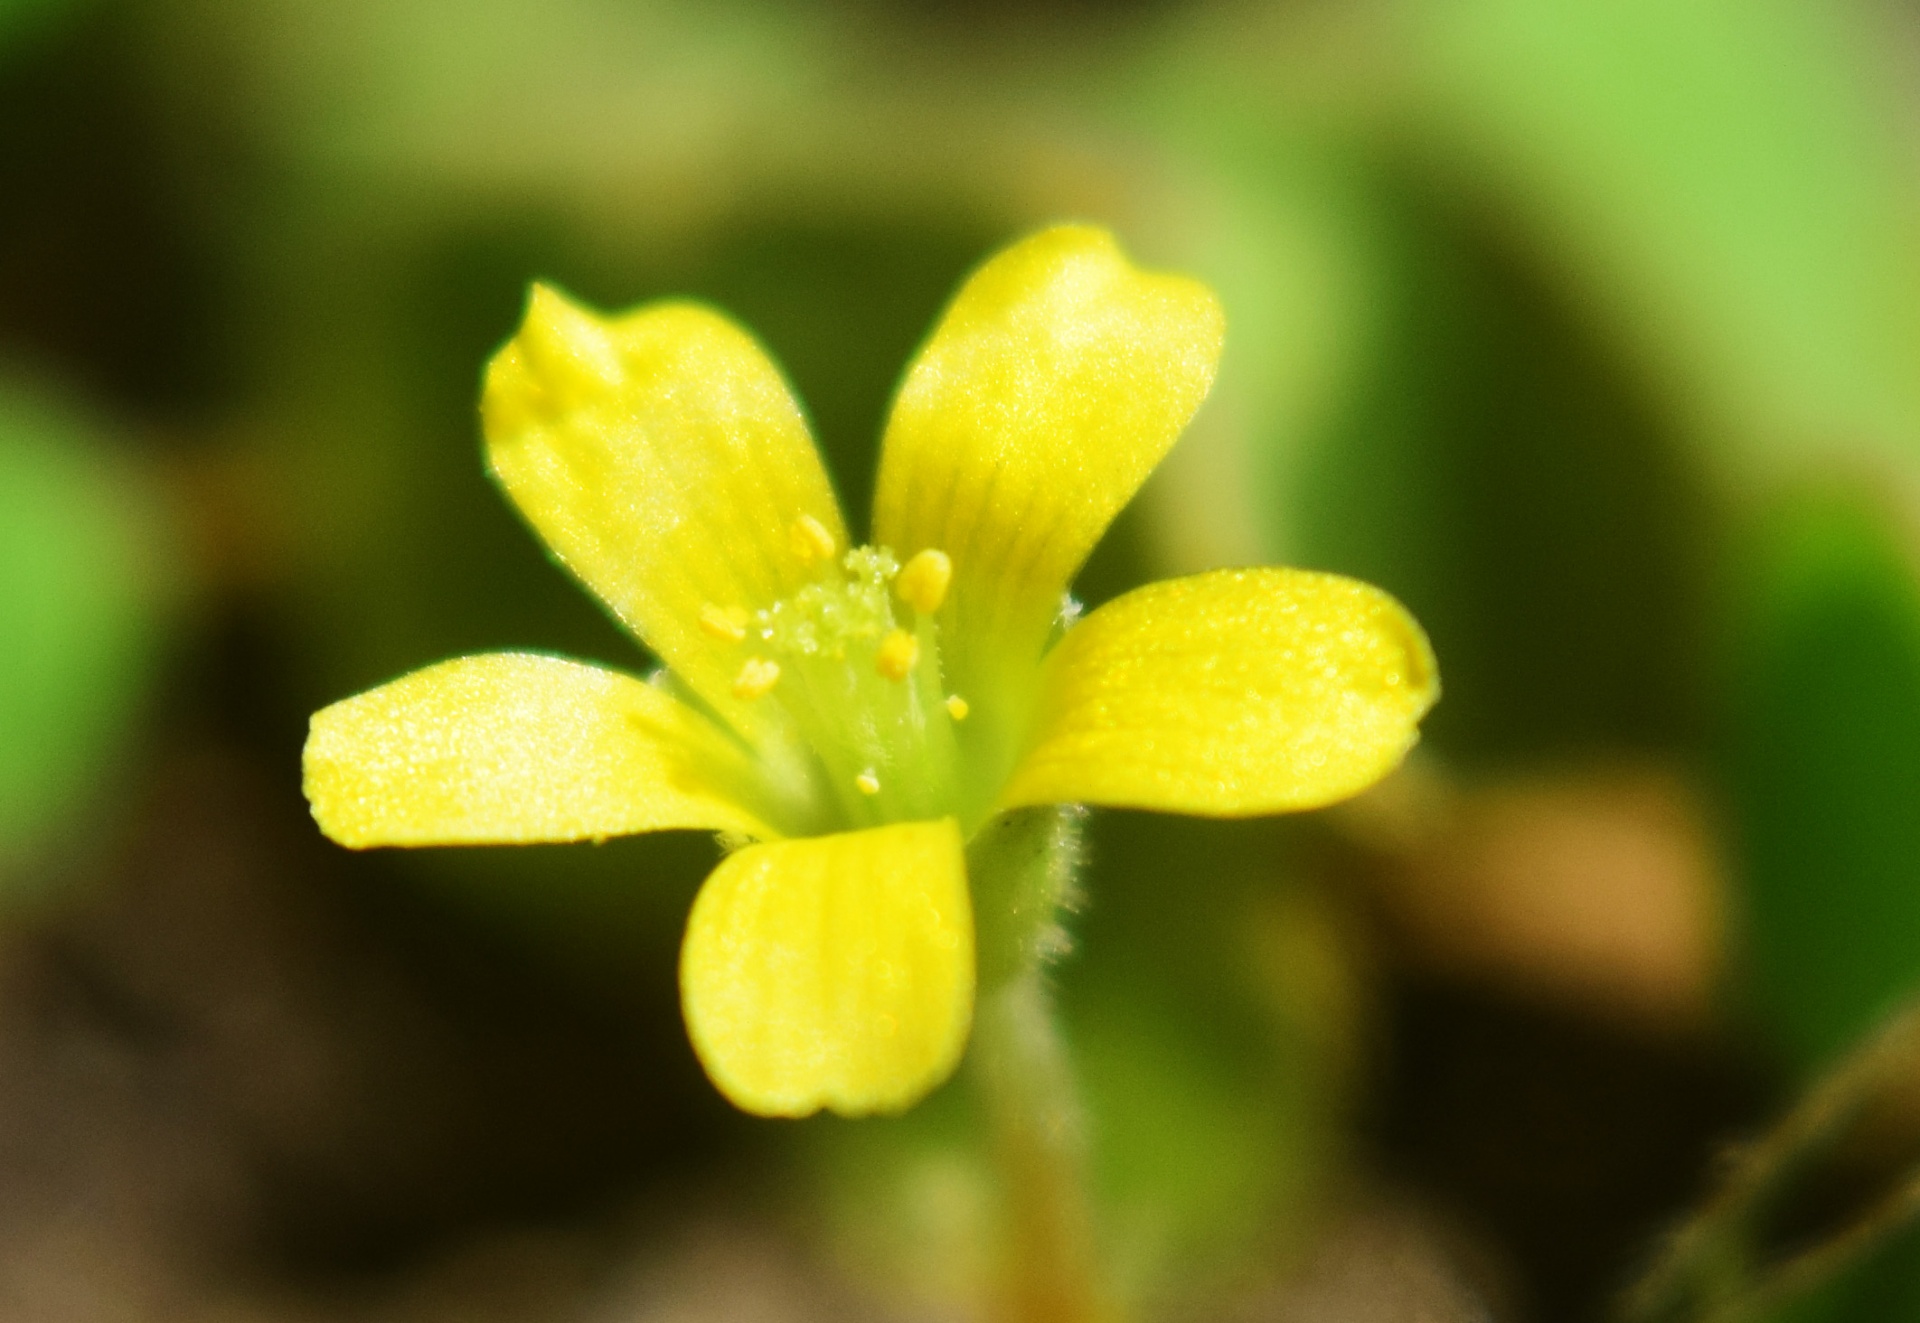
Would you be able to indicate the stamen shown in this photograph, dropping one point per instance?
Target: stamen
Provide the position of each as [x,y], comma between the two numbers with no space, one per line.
[899,650]
[855,671]
[728,624]
[957,707]
[756,678]
[923,580]
[810,540]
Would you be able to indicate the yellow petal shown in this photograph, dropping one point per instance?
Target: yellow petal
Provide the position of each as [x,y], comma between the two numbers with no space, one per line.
[1052,386]
[508,748]
[662,458]
[835,971]
[1226,694]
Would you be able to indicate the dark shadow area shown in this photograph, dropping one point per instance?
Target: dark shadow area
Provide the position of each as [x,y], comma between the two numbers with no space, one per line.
[1572,1142]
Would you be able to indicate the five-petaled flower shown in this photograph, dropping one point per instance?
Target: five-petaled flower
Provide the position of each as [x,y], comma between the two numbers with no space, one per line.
[848,717]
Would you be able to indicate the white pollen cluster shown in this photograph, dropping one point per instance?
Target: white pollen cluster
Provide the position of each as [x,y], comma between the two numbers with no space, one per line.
[830,616]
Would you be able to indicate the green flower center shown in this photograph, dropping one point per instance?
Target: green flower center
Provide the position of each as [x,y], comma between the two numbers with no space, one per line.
[853,661]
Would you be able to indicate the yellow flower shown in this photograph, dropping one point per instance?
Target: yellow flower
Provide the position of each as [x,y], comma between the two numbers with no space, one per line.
[850,716]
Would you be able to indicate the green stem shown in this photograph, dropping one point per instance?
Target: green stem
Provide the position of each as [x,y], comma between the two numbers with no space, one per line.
[1023,868]
[1039,1141]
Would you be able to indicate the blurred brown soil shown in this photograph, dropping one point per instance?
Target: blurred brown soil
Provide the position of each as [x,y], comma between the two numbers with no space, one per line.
[1555,1071]
[244,1078]
[231,1088]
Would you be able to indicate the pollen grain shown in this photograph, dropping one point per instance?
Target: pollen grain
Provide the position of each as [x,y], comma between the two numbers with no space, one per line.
[923,580]
[728,624]
[810,540]
[756,678]
[899,651]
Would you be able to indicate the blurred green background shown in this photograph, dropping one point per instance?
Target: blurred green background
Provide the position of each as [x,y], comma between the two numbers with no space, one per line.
[1589,328]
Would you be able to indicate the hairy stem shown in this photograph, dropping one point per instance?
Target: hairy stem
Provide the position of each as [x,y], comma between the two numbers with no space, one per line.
[1023,869]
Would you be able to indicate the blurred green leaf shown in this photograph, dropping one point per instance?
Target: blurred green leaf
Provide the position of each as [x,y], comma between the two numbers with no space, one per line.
[1211,1008]
[1885,1286]
[909,1206]
[1725,180]
[22,18]
[1825,773]
[1498,472]
[84,571]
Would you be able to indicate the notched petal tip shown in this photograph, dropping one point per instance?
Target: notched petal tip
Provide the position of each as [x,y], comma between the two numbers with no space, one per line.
[832,972]
[568,348]
[563,358]
[660,455]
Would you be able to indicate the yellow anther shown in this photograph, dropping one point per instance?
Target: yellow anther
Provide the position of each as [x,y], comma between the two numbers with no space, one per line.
[869,783]
[759,675]
[923,580]
[728,623]
[810,540]
[899,650]
[957,707]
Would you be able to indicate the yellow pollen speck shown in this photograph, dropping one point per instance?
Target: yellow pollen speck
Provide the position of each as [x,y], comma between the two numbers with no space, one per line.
[869,783]
[759,675]
[923,580]
[810,539]
[899,650]
[957,707]
[728,624]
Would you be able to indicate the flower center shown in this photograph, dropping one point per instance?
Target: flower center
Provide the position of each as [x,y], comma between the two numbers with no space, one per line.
[853,660]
